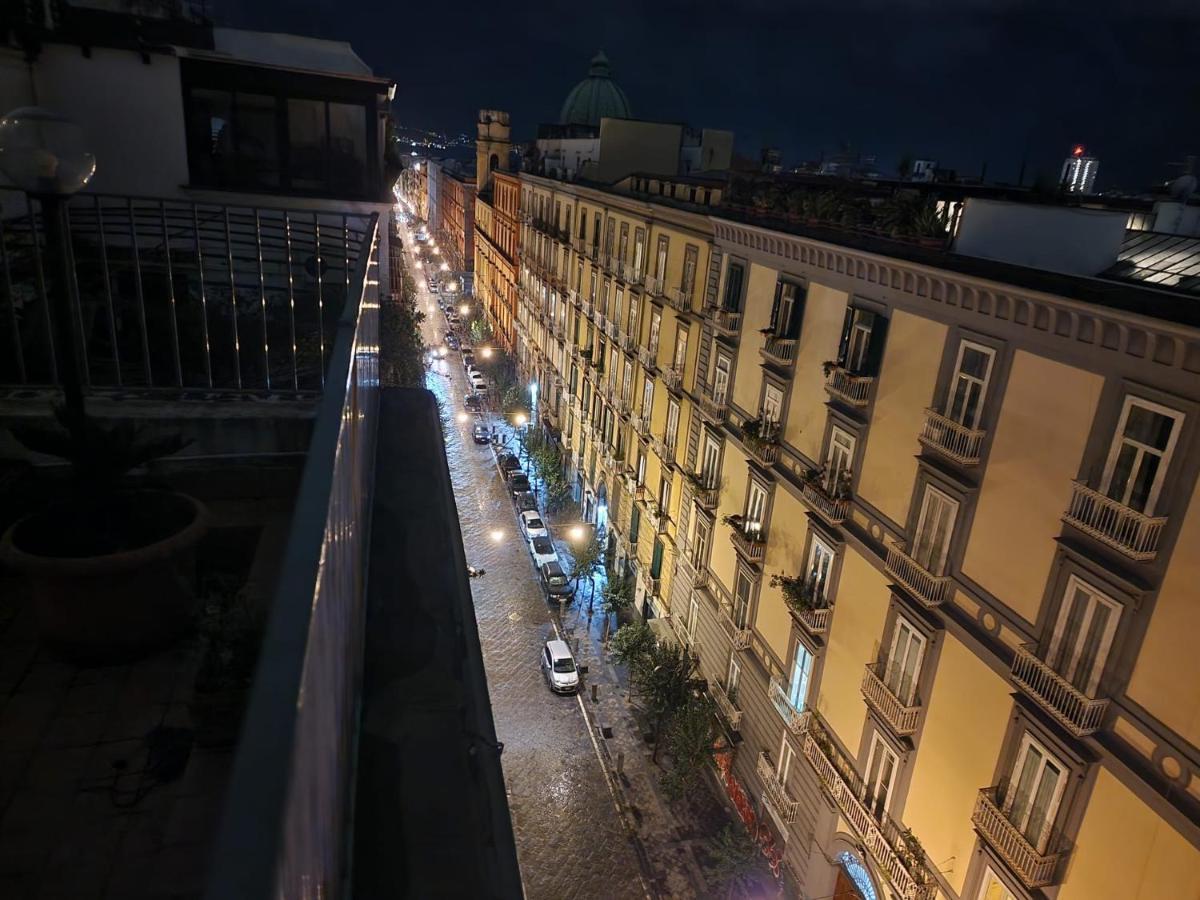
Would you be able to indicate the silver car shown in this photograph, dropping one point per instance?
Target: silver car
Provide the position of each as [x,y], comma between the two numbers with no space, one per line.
[558,666]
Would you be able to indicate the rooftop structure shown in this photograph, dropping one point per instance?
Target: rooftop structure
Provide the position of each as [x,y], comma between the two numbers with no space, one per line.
[597,97]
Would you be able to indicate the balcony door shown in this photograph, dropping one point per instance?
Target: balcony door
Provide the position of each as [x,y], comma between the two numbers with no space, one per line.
[623,246]
[840,458]
[820,563]
[734,278]
[639,250]
[721,379]
[1083,635]
[687,281]
[711,467]
[627,382]
[700,545]
[655,330]
[904,662]
[801,678]
[733,677]
[756,507]
[931,544]
[742,589]
[693,618]
[881,778]
[1140,453]
[647,399]
[788,307]
[968,387]
[787,756]
[672,432]
[995,889]
[772,405]
[660,263]
[1035,790]
[679,360]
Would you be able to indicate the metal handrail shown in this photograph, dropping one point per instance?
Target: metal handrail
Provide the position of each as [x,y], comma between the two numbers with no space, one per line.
[294,757]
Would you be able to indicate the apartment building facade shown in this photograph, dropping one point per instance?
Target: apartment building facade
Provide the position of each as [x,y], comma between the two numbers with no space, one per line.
[456,230]
[929,530]
[497,202]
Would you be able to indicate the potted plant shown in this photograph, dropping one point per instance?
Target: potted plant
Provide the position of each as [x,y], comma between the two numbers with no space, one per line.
[736,521]
[110,563]
[233,637]
[828,366]
[800,594]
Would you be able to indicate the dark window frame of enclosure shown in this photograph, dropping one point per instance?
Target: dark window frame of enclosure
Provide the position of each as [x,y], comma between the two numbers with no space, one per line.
[283,86]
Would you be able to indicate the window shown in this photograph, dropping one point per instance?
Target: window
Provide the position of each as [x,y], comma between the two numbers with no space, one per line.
[1034,792]
[801,677]
[994,889]
[841,457]
[1083,635]
[618,304]
[627,382]
[610,234]
[635,519]
[733,676]
[592,287]
[633,316]
[656,560]
[711,467]
[693,619]
[641,468]
[664,496]
[861,349]
[655,328]
[932,542]
[639,250]
[904,662]
[772,407]
[742,589]
[721,379]
[734,280]
[700,544]
[881,776]
[604,284]
[647,399]
[1140,454]
[679,360]
[968,388]
[687,281]
[596,234]
[756,506]
[623,246]
[583,223]
[788,311]
[660,265]
[672,432]
[820,564]
[786,757]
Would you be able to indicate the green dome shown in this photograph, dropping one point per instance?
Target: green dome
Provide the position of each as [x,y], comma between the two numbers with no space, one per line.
[595,97]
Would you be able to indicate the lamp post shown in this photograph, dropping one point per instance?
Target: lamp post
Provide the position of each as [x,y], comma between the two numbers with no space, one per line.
[45,155]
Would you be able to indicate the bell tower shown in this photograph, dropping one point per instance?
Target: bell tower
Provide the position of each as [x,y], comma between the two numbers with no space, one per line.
[491,146]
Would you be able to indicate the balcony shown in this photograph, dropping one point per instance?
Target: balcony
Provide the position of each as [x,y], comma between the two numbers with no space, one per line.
[654,286]
[796,721]
[665,451]
[631,273]
[713,407]
[560,331]
[776,791]
[629,343]
[727,322]
[640,423]
[586,306]
[779,350]
[706,496]
[611,329]
[848,387]
[954,441]
[647,356]
[1034,868]
[751,543]
[680,299]
[902,863]
[738,631]
[833,509]
[601,321]
[726,704]
[761,440]
[671,378]
[931,590]
[1074,710]
[814,621]
[1112,523]
[901,719]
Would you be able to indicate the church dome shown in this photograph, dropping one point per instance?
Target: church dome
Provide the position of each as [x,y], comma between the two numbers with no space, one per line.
[595,97]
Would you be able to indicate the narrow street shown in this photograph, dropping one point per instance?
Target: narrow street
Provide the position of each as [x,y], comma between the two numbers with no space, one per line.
[571,840]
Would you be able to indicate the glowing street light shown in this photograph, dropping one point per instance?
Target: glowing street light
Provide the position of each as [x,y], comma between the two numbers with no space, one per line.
[520,419]
[462,417]
[576,533]
[464,309]
[486,352]
[497,535]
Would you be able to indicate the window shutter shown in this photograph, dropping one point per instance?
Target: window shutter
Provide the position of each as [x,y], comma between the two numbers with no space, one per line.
[844,343]
[793,327]
[775,306]
[879,327]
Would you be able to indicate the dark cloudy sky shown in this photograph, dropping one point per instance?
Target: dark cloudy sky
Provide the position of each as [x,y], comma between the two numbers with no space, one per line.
[960,81]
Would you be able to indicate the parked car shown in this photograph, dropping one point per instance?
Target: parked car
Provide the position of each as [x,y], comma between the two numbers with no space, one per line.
[526,501]
[532,525]
[558,665]
[468,358]
[508,464]
[473,403]
[518,483]
[542,551]
[433,288]
[555,580]
[482,434]
[478,382]
[452,341]
[453,319]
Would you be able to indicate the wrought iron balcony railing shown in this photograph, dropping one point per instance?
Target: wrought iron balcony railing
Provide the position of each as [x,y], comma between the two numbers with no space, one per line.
[777,793]
[833,510]
[1112,523]
[779,350]
[796,721]
[736,626]
[848,387]
[671,377]
[680,299]
[901,717]
[1035,868]
[1076,711]
[713,407]
[726,702]
[932,590]
[727,322]
[950,439]
[751,544]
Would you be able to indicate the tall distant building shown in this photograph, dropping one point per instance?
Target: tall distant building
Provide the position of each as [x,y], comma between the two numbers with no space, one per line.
[1079,171]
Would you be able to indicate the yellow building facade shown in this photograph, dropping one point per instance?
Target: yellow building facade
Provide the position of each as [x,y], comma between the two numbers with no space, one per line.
[933,538]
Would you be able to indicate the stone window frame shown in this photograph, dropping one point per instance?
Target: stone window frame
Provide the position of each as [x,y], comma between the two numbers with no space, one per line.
[744,262]
[932,630]
[1002,358]
[857,429]
[784,385]
[964,494]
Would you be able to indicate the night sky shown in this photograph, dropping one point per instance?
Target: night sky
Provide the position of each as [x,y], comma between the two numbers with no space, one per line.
[961,81]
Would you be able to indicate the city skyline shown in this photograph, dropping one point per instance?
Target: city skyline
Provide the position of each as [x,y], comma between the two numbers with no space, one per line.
[993,84]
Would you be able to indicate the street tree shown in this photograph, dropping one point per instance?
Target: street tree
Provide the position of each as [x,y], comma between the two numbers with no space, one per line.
[401,349]
[587,560]
[617,597]
[631,644]
[690,736]
[735,861]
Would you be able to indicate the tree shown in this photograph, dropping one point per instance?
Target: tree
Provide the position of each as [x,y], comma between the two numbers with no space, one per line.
[735,859]
[401,350]
[664,683]
[631,644]
[689,738]
[586,561]
[617,597]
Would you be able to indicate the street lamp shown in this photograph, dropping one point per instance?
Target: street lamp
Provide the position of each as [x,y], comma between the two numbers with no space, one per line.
[486,352]
[576,533]
[45,154]
[520,419]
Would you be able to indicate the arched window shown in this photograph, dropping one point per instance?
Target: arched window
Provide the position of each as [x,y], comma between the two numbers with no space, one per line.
[858,874]
[494,162]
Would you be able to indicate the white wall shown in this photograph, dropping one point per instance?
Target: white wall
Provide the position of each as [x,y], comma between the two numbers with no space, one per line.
[1059,239]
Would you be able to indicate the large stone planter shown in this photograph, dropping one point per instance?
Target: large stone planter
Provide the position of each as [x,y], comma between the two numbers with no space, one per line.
[114,606]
